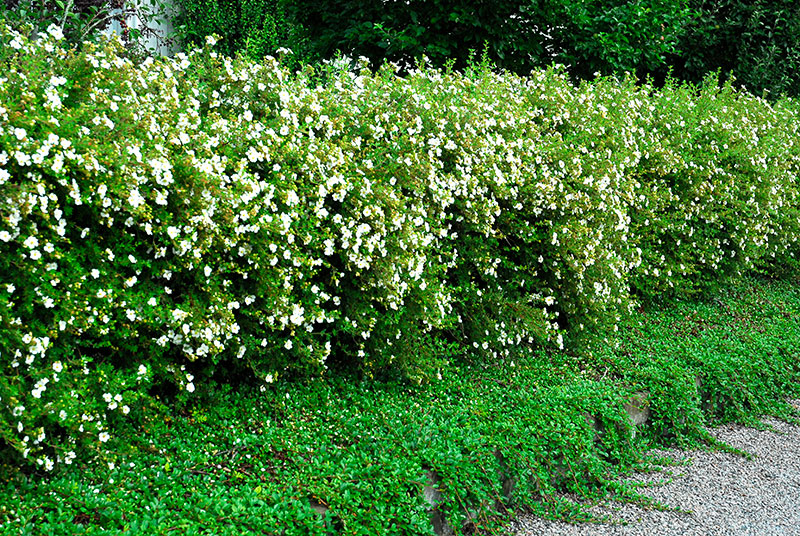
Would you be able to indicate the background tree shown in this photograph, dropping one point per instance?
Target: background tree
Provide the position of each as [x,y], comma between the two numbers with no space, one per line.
[588,35]
[758,41]
[85,20]
[252,27]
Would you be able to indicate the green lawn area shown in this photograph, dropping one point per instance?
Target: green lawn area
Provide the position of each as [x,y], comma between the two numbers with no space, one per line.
[248,461]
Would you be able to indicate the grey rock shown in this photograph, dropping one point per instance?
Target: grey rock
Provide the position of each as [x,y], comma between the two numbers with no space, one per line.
[433,496]
[638,408]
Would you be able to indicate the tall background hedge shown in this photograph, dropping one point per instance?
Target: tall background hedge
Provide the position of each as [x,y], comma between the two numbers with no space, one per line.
[757,42]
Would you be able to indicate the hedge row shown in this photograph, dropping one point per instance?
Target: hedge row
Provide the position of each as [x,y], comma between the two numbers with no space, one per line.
[165,220]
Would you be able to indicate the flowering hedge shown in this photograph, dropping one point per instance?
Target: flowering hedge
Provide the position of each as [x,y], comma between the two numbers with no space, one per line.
[161,220]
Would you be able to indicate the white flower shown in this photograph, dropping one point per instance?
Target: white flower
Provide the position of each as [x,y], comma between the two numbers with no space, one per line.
[207,271]
[135,198]
[297,315]
[5,236]
[95,273]
[11,288]
[173,232]
[57,366]
[152,302]
[20,133]
[288,345]
[126,410]
[22,158]
[142,370]
[36,255]
[31,242]
[56,32]
[103,437]
[211,40]
[190,387]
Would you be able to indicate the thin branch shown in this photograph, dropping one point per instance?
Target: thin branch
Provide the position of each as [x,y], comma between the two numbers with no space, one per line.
[67,9]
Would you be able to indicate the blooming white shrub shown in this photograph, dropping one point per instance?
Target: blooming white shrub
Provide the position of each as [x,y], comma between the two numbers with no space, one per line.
[160,220]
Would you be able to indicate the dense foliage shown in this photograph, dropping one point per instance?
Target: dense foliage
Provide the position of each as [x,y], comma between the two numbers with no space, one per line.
[757,41]
[164,221]
[256,28]
[590,36]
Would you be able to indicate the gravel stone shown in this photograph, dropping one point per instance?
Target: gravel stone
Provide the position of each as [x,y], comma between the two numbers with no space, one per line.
[714,494]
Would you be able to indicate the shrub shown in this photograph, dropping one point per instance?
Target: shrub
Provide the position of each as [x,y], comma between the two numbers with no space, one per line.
[718,177]
[170,220]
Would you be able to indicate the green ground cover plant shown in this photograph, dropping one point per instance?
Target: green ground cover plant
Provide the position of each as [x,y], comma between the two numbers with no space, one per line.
[251,461]
[198,219]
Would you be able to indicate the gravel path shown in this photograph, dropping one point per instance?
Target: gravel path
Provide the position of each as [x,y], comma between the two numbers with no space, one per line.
[718,493]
